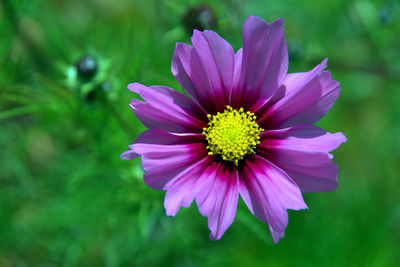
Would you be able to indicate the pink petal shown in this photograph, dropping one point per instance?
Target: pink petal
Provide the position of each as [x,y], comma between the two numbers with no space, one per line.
[307,138]
[264,62]
[163,163]
[268,192]
[303,152]
[155,136]
[128,155]
[312,171]
[237,69]
[183,189]
[261,111]
[296,81]
[166,109]
[217,197]
[309,96]
[205,70]
[165,155]
[320,178]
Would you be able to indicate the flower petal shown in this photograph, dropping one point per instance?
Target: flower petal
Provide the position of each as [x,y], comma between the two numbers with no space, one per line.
[217,58]
[237,69]
[128,155]
[312,171]
[205,70]
[217,197]
[166,109]
[307,138]
[303,152]
[264,62]
[163,162]
[183,189]
[268,192]
[309,96]
[165,155]
[278,95]
[155,136]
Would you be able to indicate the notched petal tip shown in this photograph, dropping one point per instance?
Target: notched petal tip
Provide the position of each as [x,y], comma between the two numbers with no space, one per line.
[278,22]
[343,137]
[176,44]
[207,35]
[276,236]
[181,49]
[301,205]
[324,64]
[169,211]
[337,139]
[214,237]
[196,32]
[134,104]
[255,19]
[128,155]
[136,87]
[179,44]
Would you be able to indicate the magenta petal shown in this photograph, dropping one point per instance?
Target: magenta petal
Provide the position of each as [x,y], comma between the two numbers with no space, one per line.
[290,105]
[309,96]
[264,62]
[321,178]
[191,75]
[217,197]
[303,152]
[162,164]
[217,58]
[166,109]
[155,136]
[205,70]
[260,112]
[182,190]
[296,81]
[312,171]
[268,192]
[276,236]
[128,155]
[162,157]
[165,155]
[307,138]
[160,137]
[237,69]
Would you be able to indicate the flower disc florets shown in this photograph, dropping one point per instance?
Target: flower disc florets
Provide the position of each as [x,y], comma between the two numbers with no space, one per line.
[232,134]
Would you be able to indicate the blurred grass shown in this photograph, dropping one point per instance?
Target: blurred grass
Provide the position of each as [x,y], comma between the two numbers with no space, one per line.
[66,199]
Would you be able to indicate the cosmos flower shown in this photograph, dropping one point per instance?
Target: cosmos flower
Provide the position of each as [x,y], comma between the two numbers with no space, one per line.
[246,129]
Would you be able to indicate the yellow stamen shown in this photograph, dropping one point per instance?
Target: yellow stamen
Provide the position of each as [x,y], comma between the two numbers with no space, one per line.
[232,134]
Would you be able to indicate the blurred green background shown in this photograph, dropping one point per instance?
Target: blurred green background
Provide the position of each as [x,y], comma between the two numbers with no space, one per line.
[66,198]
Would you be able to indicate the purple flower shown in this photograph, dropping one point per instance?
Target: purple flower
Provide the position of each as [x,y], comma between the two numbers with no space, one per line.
[247,129]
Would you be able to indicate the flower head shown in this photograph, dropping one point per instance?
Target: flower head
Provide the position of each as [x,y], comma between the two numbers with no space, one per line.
[246,130]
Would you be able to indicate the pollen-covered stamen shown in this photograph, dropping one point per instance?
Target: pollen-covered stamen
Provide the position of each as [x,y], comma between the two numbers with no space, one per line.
[232,134]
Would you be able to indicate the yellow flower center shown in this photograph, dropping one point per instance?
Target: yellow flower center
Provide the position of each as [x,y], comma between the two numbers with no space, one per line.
[232,134]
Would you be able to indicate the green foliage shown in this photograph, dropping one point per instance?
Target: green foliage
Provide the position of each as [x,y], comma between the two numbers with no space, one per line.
[66,199]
